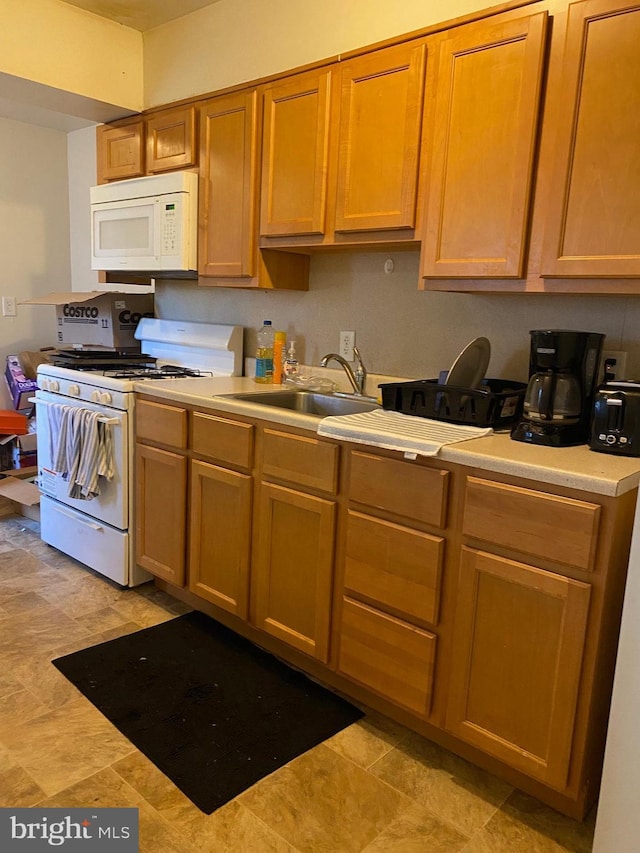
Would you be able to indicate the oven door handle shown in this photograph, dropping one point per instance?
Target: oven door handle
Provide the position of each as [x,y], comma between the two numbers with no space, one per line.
[91,524]
[102,420]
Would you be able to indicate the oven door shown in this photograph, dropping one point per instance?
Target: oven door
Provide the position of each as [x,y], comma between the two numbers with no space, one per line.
[112,504]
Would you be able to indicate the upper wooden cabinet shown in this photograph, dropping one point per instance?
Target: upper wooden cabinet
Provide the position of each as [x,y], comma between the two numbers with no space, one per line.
[120,151]
[171,140]
[341,148]
[483,139]
[227,243]
[504,148]
[379,140]
[593,224]
[162,142]
[295,155]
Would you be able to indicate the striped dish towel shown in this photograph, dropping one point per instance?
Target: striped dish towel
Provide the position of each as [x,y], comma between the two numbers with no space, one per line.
[84,450]
[411,435]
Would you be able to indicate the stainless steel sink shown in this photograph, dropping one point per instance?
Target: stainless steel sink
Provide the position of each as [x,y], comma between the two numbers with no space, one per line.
[308,402]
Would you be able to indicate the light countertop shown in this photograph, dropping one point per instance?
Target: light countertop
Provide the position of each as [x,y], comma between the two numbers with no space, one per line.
[571,467]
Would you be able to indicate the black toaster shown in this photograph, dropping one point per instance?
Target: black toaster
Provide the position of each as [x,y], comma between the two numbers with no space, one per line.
[615,425]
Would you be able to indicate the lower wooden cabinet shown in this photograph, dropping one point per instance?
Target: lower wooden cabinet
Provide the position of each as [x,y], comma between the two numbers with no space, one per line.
[220,536]
[519,639]
[293,568]
[483,609]
[161,513]
[388,655]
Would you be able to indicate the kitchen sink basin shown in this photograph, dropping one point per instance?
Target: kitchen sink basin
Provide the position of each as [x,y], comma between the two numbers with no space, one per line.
[308,402]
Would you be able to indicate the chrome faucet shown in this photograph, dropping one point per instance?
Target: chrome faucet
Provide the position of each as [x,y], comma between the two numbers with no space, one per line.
[358,378]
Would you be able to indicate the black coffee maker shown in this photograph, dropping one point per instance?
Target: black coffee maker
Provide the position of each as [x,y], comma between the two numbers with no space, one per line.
[563,372]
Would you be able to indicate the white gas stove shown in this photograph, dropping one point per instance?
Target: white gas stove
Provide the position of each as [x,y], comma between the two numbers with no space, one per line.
[98,531]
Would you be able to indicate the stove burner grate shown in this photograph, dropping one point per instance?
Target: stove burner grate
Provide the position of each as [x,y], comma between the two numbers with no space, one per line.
[167,371]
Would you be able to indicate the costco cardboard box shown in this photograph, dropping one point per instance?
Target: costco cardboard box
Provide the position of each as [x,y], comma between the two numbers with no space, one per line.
[97,318]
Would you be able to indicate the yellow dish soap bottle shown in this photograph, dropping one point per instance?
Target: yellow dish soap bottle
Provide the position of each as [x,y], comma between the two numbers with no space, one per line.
[279,345]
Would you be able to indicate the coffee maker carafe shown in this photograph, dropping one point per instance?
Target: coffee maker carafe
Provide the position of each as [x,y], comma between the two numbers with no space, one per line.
[563,371]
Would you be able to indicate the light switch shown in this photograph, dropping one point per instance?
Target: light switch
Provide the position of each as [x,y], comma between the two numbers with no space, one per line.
[9,306]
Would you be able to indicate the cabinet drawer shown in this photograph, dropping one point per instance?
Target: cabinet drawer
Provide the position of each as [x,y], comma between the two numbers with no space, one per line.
[222,439]
[388,655]
[396,568]
[297,459]
[162,424]
[535,523]
[412,491]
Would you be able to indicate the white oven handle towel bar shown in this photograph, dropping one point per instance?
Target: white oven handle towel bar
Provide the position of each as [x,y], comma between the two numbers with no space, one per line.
[81,447]
[102,419]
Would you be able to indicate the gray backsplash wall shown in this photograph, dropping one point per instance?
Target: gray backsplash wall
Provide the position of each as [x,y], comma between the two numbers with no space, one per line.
[400,330]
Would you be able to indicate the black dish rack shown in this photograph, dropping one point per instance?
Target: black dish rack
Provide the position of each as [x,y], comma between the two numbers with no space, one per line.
[496,403]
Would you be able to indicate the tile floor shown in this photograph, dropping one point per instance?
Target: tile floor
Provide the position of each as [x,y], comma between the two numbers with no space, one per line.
[374,787]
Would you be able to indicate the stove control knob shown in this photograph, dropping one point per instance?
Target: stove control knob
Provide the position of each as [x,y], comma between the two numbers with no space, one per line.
[54,385]
[74,390]
[95,396]
[44,385]
[106,398]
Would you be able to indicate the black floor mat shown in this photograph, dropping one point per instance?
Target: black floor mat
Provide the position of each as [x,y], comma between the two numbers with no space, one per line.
[206,706]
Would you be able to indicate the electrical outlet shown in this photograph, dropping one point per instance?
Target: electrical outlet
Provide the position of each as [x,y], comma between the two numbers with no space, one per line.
[347,343]
[9,306]
[620,368]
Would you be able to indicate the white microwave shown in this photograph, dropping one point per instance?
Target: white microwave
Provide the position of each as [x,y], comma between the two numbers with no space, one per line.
[146,224]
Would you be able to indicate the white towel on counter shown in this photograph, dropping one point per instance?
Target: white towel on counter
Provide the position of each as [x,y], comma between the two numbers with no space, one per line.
[411,435]
[81,446]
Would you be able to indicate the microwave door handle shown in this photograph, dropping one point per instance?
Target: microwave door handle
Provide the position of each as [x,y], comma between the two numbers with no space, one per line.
[157,227]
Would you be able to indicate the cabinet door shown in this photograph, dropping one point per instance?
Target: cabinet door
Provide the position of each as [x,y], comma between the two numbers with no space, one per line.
[227,243]
[120,152]
[593,224]
[484,125]
[380,125]
[220,537]
[161,506]
[294,156]
[518,644]
[171,140]
[293,564]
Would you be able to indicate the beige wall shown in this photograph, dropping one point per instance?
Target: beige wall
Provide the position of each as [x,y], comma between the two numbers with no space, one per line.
[237,40]
[34,238]
[399,330]
[60,46]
